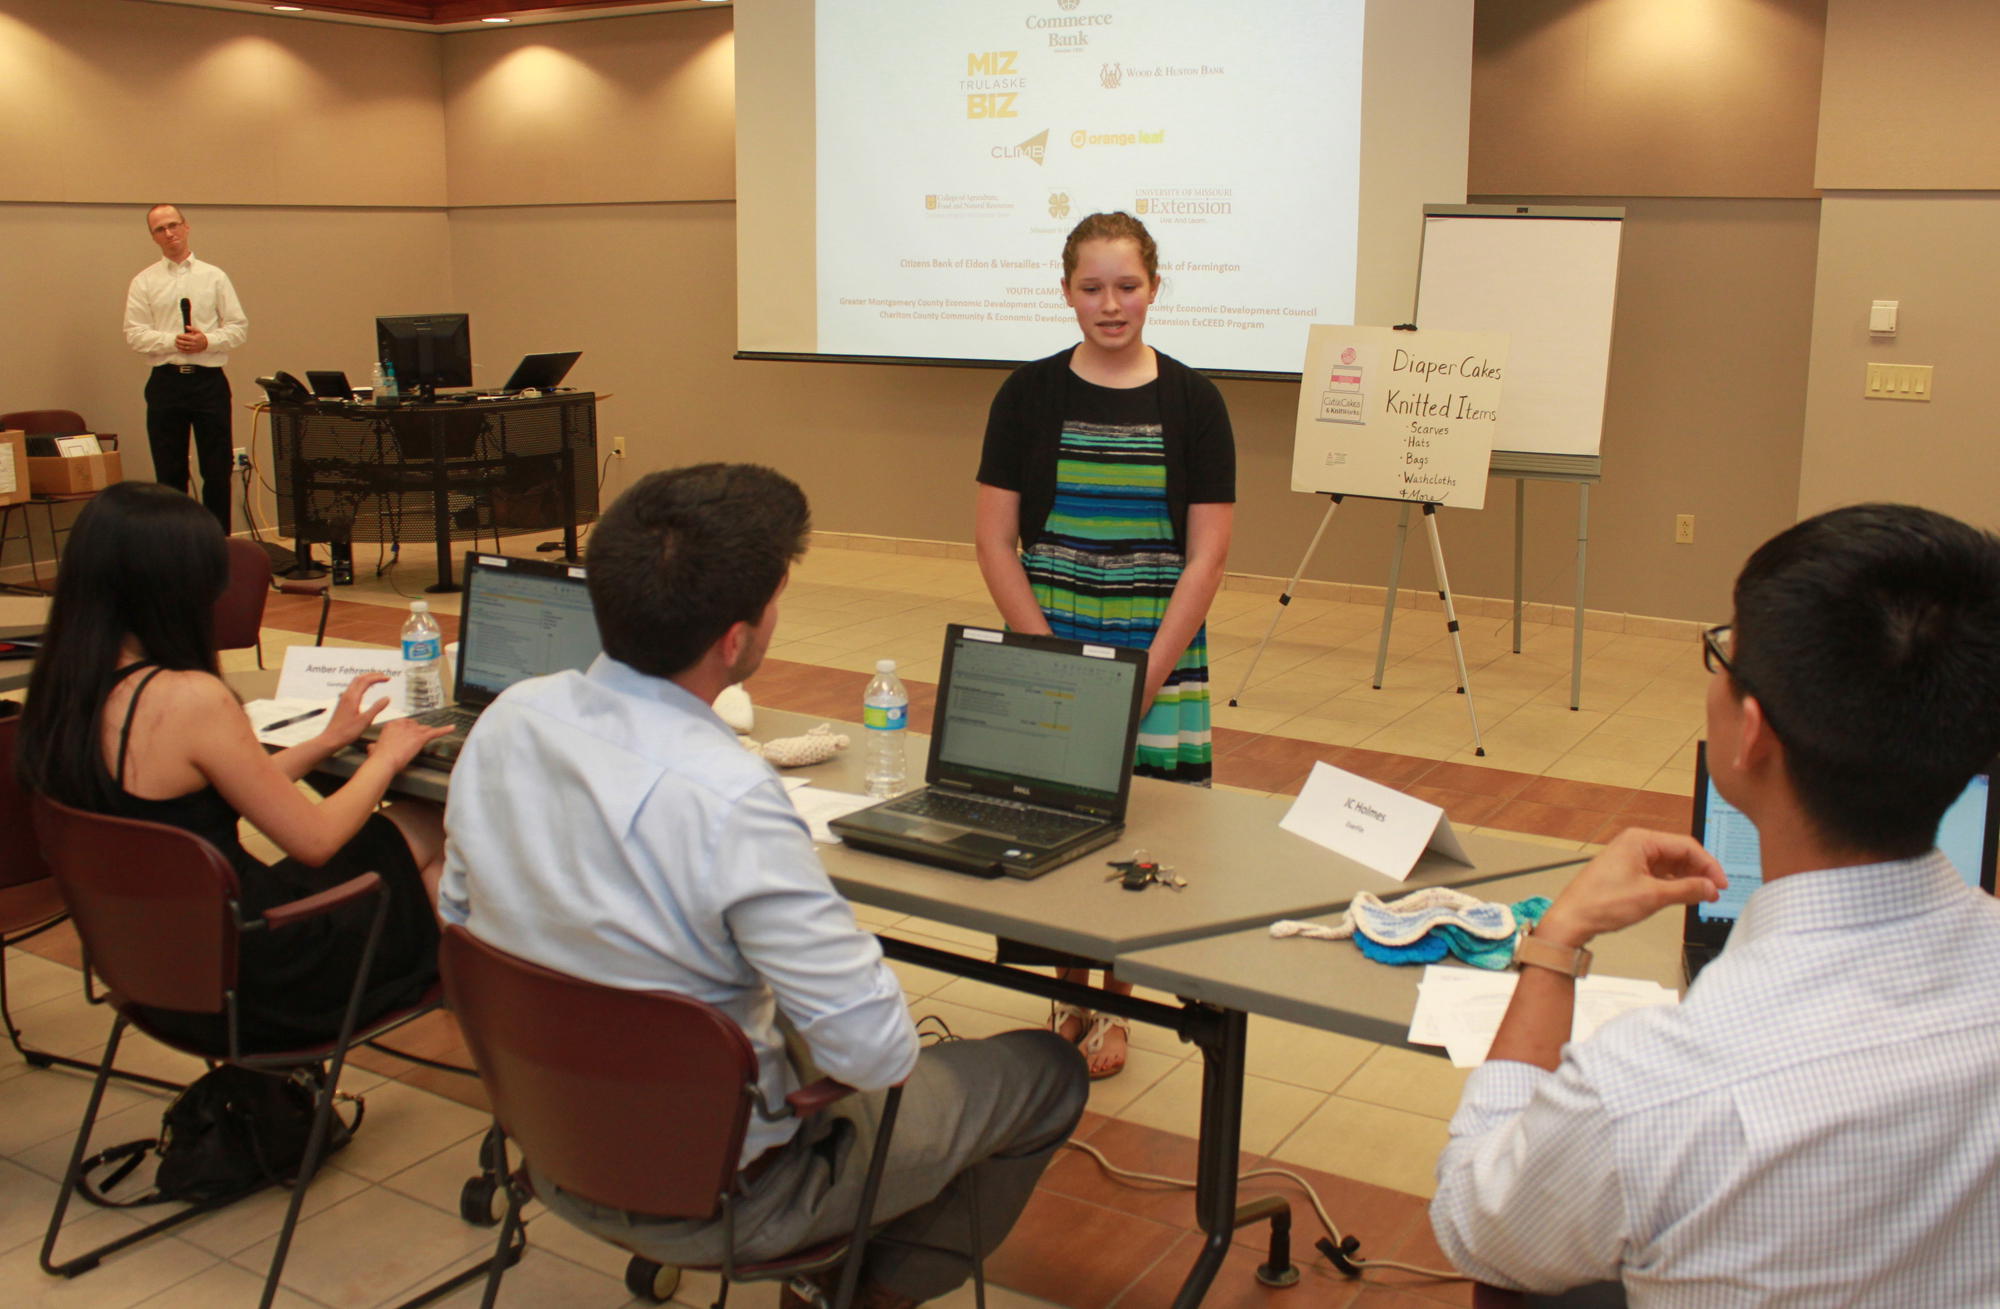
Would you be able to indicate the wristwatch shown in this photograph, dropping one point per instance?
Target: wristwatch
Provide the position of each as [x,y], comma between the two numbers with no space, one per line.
[1570,961]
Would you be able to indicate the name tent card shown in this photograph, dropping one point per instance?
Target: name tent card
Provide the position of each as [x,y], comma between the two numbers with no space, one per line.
[1398,415]
[1371,824]
[320,673]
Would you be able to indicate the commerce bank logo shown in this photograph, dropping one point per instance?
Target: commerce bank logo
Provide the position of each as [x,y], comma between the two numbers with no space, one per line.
[1067,5]
[1035,147]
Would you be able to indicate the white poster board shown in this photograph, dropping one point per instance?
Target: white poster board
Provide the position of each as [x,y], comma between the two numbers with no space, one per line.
[1548,278]
[1398,415]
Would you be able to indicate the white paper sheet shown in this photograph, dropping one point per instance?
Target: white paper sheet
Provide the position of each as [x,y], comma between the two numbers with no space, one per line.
[1461,1008]
[820,807]
[264,712]
[1374,825]
[8,484]
[76,446]
[316,673]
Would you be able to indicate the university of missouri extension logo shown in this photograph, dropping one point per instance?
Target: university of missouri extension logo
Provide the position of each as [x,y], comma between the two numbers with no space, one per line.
[930,202]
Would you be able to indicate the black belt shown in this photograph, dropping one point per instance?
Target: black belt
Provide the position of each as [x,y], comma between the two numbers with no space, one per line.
[188,368]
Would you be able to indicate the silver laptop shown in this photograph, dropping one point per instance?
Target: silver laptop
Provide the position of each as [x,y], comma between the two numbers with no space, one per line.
[1966,836]
[1031,757]
[521,618]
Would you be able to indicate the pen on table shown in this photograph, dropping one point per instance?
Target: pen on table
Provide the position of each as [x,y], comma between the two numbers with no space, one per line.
[299,718]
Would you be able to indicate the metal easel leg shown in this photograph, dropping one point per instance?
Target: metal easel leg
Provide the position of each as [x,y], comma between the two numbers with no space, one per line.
[1389,603]
[1286,598]
[1451,624]
[1576,638]
[1520,550]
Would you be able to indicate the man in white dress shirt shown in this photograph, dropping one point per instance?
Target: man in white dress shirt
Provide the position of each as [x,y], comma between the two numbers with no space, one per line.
[606,824]
[1816,1123]
[188,348]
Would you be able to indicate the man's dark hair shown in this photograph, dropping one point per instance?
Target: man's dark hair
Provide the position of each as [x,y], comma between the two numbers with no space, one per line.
[1871,637]
[686,554]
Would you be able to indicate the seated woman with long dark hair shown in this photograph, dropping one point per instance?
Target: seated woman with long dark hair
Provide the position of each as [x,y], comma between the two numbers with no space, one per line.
[127,715]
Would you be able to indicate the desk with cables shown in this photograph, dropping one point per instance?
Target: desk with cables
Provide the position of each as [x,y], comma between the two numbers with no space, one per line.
[453,470]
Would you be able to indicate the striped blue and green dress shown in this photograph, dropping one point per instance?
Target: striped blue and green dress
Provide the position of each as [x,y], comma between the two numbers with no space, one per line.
[1106,563]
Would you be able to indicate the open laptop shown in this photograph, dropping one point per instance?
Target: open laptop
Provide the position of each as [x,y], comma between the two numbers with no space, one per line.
[1031,757]
[329,385]
[1966,836]
[542,372]
[520,618]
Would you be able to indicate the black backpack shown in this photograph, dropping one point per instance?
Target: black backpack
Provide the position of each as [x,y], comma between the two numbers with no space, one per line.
[230,1132]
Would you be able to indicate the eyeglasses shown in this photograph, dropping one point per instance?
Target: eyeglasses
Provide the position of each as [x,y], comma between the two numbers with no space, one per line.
[1717,644]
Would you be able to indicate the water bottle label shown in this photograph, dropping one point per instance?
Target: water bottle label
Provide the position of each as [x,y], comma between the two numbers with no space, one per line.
[420,652]
[888,718]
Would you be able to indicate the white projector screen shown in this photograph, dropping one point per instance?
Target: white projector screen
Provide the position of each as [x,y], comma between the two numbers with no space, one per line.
[907,170]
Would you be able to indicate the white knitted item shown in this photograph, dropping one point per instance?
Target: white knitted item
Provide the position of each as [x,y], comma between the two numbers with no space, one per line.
[815,747]
[734,708]
[1409,919]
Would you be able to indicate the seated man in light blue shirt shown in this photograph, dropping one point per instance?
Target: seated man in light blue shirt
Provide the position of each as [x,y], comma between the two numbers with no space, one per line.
[1815,1124]
[607,825]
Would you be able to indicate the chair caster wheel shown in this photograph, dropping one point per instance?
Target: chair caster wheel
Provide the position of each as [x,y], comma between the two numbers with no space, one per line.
[651,1282]
[481,1202]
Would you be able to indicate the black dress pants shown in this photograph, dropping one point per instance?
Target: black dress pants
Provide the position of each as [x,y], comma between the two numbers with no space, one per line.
[198,400]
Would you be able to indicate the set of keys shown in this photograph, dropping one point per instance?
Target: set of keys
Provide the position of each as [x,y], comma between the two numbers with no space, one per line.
[1141,871]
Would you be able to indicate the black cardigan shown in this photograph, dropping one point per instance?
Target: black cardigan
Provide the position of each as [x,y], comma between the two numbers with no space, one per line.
[1024,440]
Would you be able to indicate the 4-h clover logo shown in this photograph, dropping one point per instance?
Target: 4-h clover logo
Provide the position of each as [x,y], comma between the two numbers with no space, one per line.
[1059,205]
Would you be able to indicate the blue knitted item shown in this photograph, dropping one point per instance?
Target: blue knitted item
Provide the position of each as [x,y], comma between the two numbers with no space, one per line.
[1426,949]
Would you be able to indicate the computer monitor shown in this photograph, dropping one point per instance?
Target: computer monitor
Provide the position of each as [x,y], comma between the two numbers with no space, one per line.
[426,351]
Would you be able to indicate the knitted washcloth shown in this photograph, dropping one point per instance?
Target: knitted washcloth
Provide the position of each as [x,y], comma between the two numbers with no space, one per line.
[815,747]
[1425,925]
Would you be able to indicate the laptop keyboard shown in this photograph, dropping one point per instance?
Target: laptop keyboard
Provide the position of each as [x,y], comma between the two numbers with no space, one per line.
[457,719]
[1008,818]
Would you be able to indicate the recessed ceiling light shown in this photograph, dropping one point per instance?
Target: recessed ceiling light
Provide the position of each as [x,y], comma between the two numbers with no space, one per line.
[496,20]
[289,9]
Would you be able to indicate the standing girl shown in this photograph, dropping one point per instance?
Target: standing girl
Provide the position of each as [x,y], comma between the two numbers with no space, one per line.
[1106,496]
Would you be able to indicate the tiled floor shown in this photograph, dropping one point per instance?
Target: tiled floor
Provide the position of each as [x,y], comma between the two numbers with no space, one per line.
[1362,1123]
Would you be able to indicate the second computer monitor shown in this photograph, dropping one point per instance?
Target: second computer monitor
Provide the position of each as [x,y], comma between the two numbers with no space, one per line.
[426,350]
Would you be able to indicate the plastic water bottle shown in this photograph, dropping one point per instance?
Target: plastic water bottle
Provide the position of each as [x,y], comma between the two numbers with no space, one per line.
[423,660]
[885,711]
[386,394]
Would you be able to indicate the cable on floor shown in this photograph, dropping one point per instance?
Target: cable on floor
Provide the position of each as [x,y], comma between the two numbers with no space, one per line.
[1345,1246]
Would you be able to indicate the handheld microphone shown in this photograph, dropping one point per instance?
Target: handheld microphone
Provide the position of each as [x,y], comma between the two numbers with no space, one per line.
[187,315]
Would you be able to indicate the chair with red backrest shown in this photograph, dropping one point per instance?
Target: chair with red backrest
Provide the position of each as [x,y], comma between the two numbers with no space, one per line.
[47,422]
[29,902]
[636,1100]
[159,912]
[239,613]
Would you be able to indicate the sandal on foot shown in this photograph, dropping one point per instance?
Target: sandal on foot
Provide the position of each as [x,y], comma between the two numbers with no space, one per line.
[1093,1041]
[1062,1013]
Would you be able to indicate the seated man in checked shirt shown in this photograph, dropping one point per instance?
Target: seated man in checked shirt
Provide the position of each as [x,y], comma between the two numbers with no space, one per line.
[1819,1122]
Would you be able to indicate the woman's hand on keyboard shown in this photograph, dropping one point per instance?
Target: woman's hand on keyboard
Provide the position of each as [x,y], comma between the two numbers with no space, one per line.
[400,740]
[350,719]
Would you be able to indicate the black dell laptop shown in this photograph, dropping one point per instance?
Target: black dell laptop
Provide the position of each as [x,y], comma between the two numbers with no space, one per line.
[520,618]
[329,385]
[541,372]
[1966,836]
[1031,757]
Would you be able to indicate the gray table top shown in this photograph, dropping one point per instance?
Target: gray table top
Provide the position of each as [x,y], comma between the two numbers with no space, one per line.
[1332,985]
[20,615]
[1242,869]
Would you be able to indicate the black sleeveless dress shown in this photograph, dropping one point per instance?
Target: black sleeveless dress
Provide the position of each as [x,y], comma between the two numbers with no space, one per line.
[293,983]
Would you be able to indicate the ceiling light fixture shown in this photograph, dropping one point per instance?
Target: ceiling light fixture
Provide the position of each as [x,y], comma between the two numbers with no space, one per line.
[289,9]
[496,20]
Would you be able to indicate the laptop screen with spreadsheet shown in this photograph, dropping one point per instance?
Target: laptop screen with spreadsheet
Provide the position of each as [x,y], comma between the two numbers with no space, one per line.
[521,618]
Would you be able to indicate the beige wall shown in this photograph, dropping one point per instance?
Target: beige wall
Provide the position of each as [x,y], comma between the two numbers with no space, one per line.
[1910,156]
[1937,254]
[1911,101]
[114,101]
[1649,97]
[614,111]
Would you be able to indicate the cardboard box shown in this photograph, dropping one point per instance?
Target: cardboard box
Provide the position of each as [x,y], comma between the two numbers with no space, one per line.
[74,474]
[14,487]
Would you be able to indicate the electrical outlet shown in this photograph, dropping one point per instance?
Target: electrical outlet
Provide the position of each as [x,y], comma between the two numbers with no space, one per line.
[1683,529]
[618,446]
[242,459]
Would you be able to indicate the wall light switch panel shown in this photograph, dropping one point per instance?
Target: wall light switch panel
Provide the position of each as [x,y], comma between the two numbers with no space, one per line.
[1882,318]
[1683,529]
[1898,382]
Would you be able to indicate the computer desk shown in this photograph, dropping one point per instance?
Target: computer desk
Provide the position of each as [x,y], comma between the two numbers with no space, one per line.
[20,615]
[1243,872]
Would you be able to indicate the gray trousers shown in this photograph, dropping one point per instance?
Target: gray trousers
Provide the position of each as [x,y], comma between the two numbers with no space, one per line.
[979,1122]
